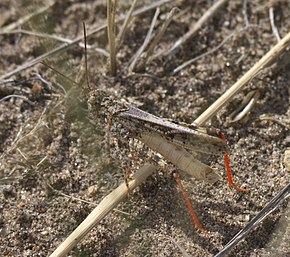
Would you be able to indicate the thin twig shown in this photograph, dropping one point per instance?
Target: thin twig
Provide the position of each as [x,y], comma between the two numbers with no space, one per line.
[111,14]
[37,34]
[272,20]
[210,13]
[121,35]
[57,38]
[157,39]
[267,59]
[285,124]
[15,96]
[145,43]
[245,3]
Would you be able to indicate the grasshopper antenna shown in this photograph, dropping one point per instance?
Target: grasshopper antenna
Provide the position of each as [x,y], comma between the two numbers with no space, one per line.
[61,74]
[86,56]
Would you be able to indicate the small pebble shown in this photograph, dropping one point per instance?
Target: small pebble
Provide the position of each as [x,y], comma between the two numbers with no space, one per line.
[92,190]
[44,233]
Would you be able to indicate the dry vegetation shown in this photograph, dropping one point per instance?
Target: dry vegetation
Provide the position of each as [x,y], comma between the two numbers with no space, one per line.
[172,59]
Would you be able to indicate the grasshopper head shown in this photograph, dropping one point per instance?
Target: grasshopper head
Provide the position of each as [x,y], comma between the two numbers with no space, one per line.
[98,103]
[101,104]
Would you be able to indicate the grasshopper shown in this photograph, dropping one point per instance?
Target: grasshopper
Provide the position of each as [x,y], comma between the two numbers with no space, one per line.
[171,140]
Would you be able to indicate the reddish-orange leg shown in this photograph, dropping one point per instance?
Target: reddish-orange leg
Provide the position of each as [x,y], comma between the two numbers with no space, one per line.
[228,169]
[188,204]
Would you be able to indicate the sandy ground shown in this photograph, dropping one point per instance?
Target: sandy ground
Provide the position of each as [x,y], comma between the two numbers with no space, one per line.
[52,155]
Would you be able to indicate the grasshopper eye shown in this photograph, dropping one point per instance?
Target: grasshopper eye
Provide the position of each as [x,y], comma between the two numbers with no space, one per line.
[213,132]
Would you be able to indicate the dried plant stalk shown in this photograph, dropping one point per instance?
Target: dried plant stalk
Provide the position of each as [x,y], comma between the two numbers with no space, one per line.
[211,12]
[157,39]
[75,41]
[111,14]
[123,30]
[263,63]
[105,206]
[23,20]
[138,54]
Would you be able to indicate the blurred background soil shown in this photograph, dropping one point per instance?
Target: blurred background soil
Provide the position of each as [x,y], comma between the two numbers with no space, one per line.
[52,155]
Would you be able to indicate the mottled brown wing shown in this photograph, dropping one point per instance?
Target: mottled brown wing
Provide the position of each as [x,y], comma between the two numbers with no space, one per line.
[183,136]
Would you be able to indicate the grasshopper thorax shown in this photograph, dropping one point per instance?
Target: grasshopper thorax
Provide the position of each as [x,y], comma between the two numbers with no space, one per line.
[101,104]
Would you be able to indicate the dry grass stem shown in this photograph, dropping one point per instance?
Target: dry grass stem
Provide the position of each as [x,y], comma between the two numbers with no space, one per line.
[245,13]
[37,34]
[121,35]
[105,207]
[272,21]
[138,54]
[57,38]
[157,38]
[16,96]
[245,107]
[111,15]
[210,13]
[263,63]
[270,207]
[193,60]
[75,41]
[26,18]
[285,124]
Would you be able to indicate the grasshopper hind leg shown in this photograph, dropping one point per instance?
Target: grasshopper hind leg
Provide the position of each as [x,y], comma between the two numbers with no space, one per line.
[228,169]
[188,203]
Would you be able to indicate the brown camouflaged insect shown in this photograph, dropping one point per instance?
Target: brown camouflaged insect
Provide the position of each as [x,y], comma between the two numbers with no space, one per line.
[171,140]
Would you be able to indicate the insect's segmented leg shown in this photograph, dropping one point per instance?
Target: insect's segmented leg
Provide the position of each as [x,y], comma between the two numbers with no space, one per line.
[188,204]
[228,169]
[127,177]
[108,134]
[134,158]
